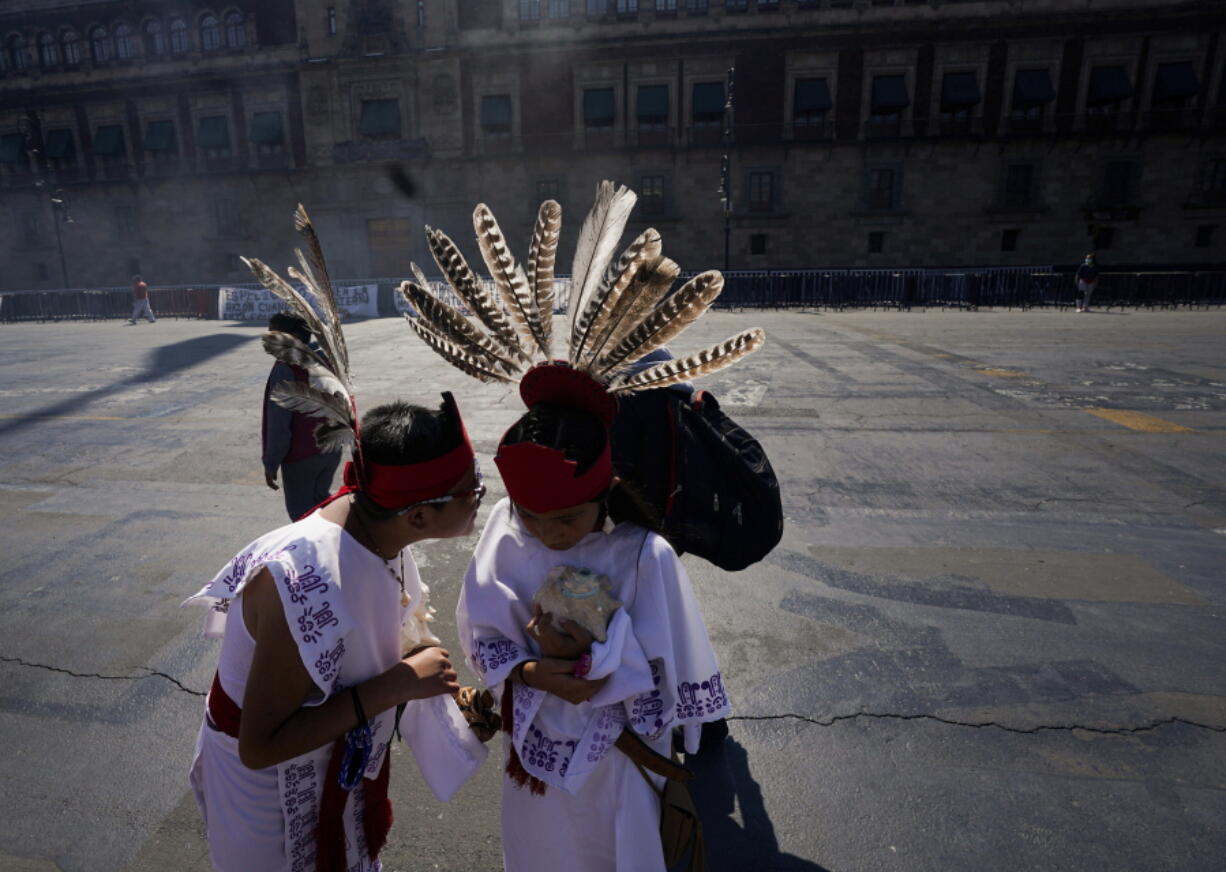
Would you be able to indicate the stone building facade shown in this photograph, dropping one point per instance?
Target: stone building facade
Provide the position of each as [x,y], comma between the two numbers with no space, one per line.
[178,135]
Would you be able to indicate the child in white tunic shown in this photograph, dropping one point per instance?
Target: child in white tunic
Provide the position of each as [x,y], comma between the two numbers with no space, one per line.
[571,800]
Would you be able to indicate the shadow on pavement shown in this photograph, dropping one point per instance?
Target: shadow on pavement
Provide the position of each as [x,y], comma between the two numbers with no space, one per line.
[160,363]
[722,785]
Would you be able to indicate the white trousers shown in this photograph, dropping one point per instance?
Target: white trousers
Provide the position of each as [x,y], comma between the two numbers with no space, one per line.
[140,308]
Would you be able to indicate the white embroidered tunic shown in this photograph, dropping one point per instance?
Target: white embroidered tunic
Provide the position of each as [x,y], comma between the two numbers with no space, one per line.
[343,608]
[662,673]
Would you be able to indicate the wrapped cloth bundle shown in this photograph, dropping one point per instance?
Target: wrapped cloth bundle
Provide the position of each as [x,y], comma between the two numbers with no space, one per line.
[579,595]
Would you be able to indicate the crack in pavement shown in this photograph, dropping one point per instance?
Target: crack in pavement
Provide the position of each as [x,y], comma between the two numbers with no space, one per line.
[150,673]
[1109,731]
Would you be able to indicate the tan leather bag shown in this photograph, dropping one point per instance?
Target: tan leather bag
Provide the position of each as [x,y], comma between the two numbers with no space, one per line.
[680,826]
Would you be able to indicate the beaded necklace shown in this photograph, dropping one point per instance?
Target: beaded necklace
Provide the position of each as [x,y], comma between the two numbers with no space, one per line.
[398,577]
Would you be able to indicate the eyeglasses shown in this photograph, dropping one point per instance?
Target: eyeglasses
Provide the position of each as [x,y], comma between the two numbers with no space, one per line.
[476,493]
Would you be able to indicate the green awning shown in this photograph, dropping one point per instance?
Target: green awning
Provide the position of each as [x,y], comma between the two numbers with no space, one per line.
[651,104]
[12,147]
[811,97]
[1032,88]
[496,113]
[108,140]
[889,94]
[1107,85]
[266,129]
[213,132]
[708,100]
[959,91]
[598,107]
[60,145]
[160,136]
[1175,81]
[380,118]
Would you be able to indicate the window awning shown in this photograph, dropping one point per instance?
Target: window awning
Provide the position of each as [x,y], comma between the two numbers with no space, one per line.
[160,136]
[598,108]
[889,94]
[1032,88]
[708,101]
[812,97]
[959,91]
[213,132]
[12,148]
[266,129]
[380,118]
[1175,81]
[496,112]
[651,104]
[60,145]
[1108,84]
[108,140]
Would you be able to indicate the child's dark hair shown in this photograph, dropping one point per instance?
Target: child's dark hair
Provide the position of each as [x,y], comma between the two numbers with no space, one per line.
[400,433]
[579,435]
[284,322]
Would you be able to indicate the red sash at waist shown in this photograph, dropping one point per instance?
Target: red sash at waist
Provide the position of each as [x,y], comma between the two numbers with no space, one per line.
[224,715]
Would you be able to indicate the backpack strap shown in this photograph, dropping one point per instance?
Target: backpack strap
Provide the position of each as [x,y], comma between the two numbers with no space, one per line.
[637,750]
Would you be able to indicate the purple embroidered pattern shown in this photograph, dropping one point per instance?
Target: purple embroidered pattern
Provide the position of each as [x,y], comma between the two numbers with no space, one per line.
[647,710]
[241,564]
[541,752]
[299,806]
[311,622]
[696,699]
[493,654]
[303,583]
[608,727]
[327,661]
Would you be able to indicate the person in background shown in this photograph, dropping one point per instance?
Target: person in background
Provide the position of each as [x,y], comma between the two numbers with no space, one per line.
[289,437]
[1087,281]
[140,301]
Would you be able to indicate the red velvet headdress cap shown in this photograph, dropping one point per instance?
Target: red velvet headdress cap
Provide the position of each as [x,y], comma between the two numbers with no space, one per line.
[394,487]
[541,479]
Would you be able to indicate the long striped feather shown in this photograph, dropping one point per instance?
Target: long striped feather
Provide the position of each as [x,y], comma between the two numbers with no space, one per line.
[666,321]
[602,228]
[645,246]
[542,256]
[298,305]
[508,277]
[293,351]
[702,363]
[334,438]
[457,357]
[319,269]
[468,288]
[450,324]
[309,400]
[650,285]
[329,334]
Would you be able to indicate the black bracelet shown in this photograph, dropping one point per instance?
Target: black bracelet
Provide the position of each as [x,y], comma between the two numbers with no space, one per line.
[357,706]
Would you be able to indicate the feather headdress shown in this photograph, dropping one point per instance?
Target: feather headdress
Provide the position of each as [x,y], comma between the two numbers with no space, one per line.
[619,309]
[329,395]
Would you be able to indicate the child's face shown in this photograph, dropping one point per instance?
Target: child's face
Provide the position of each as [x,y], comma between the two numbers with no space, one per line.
[561,529]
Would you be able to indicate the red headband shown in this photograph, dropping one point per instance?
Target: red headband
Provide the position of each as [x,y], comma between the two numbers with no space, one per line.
[541,479]
[559,382]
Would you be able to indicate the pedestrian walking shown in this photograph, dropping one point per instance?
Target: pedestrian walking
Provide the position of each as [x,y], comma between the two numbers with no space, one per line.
[140,301]
[1087,281]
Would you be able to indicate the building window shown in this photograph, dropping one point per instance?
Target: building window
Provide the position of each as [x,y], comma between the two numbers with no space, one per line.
[380,119]
[210,33]
[757,242]
[651,113]
[18,54]
[61,150]
[959,97]
[697,7]
[331,21]
[811,104]
[179,41]
[1018,186]
[160,145]
[48,51]
[627,7]
[99,45]
[881,188]
[529,10]
[72,48]
[125,42]
[1032,91]
[559,8]
[1175,84]
[887,101]
[1104,238]
[651,195]
[1109,87]
[736,5]
[761,191]
[1204,235]
[266,132]
[213,137]
[599,109]
[496,115]
[876,242]
[597,8]
[666,6]
[1008,239]
[13,154]
[111,150]
[155,39]
[236,30]
[1118,179]
[768,5]
[707,109]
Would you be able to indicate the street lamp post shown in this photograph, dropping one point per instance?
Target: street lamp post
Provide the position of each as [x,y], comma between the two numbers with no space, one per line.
[59,215]
[59,203]
[725,169]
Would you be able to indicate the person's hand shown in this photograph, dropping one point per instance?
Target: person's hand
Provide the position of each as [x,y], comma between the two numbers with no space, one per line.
[271,479]
[428,672]
[556,676]
[569,642]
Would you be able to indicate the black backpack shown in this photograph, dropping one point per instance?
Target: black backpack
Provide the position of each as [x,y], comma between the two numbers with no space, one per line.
[696,477]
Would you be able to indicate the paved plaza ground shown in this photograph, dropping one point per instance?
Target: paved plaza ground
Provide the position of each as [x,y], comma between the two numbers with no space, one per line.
[993,637]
